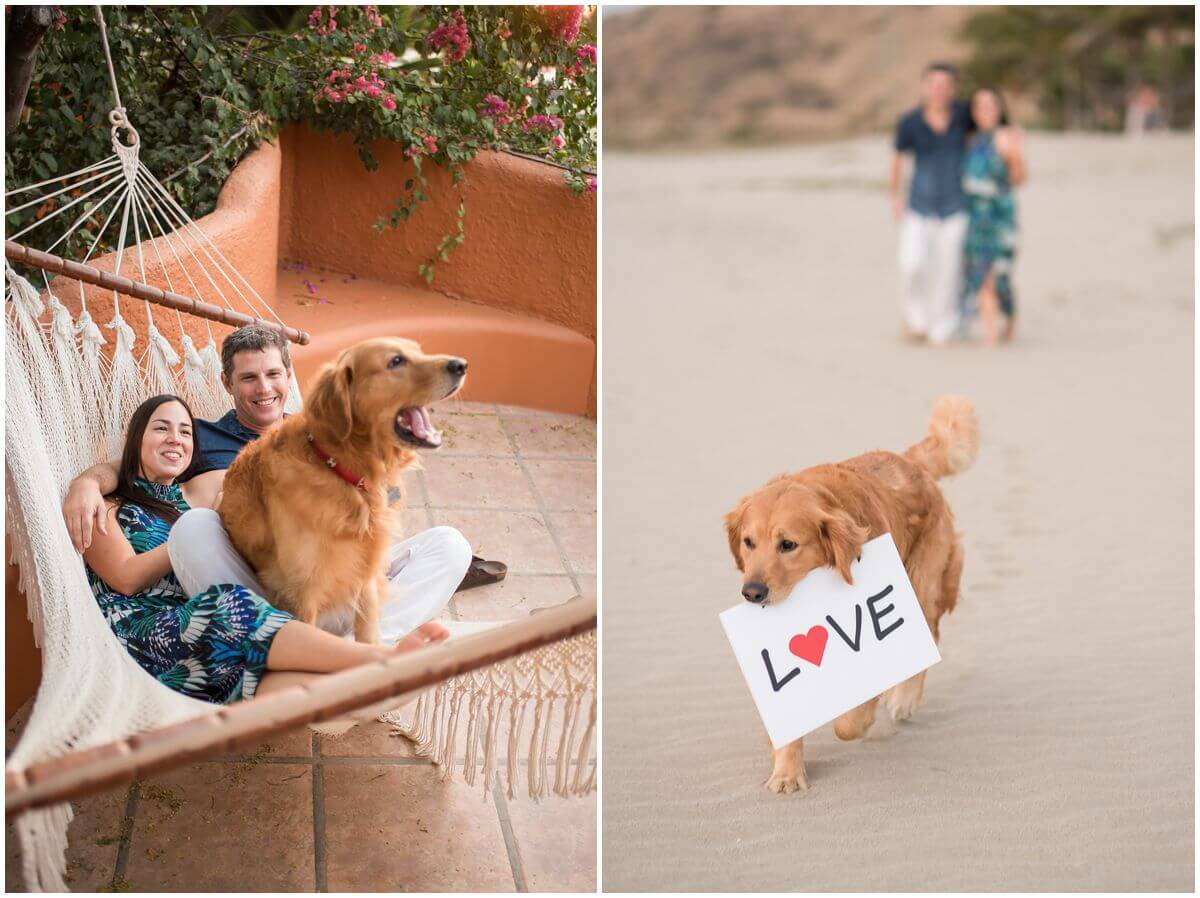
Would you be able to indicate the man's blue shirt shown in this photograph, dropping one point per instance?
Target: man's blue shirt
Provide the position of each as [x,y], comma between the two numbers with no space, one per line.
[936,187]
[218,442]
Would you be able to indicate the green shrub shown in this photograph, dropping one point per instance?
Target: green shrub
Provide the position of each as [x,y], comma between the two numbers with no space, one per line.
[205,86]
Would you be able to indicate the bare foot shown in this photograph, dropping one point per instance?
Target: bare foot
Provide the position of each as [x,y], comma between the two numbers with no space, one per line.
[1010,329]
[426,634]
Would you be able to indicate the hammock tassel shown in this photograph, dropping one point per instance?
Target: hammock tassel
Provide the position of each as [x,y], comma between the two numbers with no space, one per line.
[43,837]
[91,379]
[205,398]
[77,416]
[160,378]
[124,388]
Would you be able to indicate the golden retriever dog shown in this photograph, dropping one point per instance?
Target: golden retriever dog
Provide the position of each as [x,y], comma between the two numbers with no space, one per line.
[306,503]
[823,515]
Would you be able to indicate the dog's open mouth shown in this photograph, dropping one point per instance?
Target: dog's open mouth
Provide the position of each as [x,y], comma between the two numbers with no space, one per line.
[413,426]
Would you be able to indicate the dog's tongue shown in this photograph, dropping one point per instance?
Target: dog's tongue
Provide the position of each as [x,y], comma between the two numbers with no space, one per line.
[417,420]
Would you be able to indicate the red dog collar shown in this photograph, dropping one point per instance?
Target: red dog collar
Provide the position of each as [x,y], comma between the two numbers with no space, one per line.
[345,473]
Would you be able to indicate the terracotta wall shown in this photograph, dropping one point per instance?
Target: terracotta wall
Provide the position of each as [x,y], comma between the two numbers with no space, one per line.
[530,247]
[22,660]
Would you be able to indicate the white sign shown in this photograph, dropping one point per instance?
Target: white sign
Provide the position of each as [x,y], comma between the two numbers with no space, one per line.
[829,646]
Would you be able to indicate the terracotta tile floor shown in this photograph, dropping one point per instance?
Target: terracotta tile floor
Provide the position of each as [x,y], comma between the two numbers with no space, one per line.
[362,812]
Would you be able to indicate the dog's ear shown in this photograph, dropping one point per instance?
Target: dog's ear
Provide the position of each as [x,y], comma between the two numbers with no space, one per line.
[330,401]
[842,539]
[733,529]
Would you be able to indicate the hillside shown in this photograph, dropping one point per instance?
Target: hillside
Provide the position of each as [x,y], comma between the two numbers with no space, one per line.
[706,76]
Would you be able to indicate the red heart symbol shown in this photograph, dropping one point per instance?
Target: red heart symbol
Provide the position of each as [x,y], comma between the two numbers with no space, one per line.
[810,646]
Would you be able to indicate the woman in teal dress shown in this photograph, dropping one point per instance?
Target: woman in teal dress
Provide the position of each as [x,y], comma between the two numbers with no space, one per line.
[994,164]
[227,643]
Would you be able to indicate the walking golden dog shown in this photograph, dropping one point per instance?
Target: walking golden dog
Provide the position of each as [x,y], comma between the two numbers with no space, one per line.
[823,515]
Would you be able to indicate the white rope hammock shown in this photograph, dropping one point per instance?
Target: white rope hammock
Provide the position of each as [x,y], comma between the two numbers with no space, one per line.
[69,393]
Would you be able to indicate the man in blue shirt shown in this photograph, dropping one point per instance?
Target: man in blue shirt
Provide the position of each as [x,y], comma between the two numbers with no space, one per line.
[425,570]
[933,221]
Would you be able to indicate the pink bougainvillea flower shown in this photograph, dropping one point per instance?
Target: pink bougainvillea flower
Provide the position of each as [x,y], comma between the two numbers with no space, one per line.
[389,102]
[494,107]
[591,185]
[452,36]
[502,30]
[558,141]
[586,52]
[563,21]
[545,123]
[431,146]
[412,151]
[360,48]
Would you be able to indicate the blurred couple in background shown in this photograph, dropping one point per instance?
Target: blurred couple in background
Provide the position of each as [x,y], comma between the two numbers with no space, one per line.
[958,222]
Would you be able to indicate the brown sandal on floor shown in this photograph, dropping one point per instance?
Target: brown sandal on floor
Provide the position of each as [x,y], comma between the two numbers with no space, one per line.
[482,573]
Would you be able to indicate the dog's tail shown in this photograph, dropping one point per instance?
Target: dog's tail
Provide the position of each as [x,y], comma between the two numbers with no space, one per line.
[953,439]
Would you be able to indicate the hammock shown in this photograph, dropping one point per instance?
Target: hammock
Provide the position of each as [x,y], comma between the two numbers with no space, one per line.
[69,392]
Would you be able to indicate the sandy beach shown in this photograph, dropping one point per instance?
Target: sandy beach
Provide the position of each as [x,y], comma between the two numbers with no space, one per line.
[751,327]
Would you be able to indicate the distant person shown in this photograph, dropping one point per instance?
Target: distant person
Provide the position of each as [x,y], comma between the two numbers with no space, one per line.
[993,166]
[933,221]
[1143,111]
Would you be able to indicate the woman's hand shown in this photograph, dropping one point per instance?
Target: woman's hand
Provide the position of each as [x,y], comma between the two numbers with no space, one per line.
[83,510]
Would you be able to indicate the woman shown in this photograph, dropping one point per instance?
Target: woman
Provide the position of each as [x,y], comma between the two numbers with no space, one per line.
[227,643]
[994,164]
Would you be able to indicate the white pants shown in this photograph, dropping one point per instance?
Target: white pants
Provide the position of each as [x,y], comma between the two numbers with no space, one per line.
[931,271]
[424,571]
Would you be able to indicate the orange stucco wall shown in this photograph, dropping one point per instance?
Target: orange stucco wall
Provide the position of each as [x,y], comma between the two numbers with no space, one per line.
[530,247]
[530,251]
[22,660]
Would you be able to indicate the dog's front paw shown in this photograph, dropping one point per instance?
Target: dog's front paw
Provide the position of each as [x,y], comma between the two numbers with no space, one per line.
[783,783]
[903,701]
[902,707]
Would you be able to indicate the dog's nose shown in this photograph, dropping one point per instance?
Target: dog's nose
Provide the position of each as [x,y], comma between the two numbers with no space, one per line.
[457,367]
[755,592]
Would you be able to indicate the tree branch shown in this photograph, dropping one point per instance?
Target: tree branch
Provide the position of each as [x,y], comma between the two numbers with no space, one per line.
[26,27]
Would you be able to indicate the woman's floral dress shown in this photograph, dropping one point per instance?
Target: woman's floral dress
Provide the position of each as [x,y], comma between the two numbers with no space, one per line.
[212,646]
[992,227]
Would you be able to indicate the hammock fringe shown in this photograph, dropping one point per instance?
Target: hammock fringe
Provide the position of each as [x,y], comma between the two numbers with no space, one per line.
[458,724]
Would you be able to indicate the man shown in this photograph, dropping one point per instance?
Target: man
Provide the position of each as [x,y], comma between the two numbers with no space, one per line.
[933,223]
[424,570]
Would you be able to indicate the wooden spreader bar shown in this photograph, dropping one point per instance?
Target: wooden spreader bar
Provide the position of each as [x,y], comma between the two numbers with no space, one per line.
[226,728]
[17,252]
